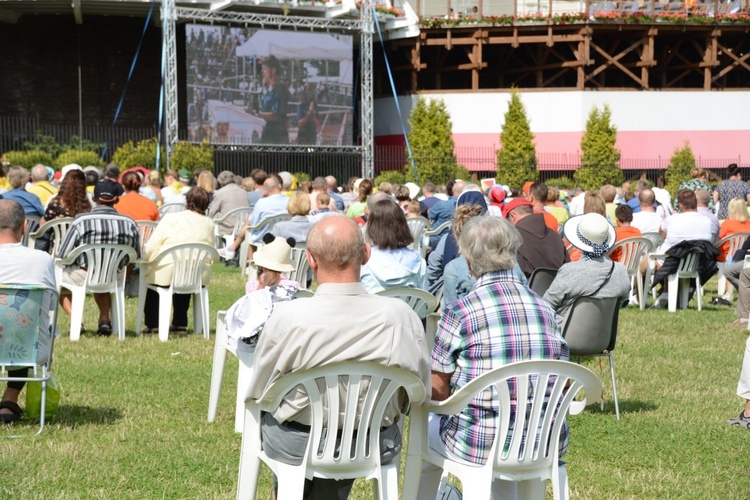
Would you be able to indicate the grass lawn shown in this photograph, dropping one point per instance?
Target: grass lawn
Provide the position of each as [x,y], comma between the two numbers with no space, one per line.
[132,419]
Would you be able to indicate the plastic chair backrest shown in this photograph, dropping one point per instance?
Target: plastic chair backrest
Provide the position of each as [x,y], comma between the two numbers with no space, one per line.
[20,323]
[689,264]
[421,301]
[237,217]
[417,228]
[299,261]
[58,227]
[145,229]
[591,325]
[633,249]
[545,409]
[102,263]
[541,279]
[358,390]
[188,260]
[32,225]
[656,240]
[735,242]
[171,207]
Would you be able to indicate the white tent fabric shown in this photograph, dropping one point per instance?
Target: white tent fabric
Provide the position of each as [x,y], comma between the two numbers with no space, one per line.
[296,45]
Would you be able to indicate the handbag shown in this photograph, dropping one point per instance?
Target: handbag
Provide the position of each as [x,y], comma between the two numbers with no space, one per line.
[34,399]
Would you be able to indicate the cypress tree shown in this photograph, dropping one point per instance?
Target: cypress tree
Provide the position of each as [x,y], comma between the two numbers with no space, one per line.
[600,160]
[431,140]
[516,160]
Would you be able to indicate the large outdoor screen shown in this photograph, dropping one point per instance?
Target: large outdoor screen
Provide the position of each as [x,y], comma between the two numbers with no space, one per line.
[256,86]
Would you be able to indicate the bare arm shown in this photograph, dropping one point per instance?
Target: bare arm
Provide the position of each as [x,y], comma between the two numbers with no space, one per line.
[441,386]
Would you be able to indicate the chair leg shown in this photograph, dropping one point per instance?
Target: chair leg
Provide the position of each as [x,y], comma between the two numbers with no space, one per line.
[614,384]
[640,287]
[205,310]
[141,301]
[119,302]
[43,408]
[244,374]
[247,482]
[217,372]
[674,288]
[165,309]
[699,293]
[197,313]
[78,297]
[533,489]
[386,486]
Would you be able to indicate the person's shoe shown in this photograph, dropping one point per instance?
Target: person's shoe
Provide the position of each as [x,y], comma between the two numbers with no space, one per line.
[721,301]
[660,303]
[741,421]
[226,254]
[13,416]
[105,328]
[740,324]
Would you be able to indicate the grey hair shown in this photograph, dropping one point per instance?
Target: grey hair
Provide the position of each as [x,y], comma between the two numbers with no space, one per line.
[18,177]
[489,244]
[39,173]
[374,198]
[12,216]
[225,177]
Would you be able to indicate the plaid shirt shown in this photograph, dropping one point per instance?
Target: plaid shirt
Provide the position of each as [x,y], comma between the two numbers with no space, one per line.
[500,321]
[103,225]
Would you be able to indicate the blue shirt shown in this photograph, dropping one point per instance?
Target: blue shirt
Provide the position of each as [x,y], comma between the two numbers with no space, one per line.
[266,207]
[30,202]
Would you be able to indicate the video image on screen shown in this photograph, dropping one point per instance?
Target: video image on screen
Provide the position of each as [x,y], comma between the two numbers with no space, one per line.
[254,86]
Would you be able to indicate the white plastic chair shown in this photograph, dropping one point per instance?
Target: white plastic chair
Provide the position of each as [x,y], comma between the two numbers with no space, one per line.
[21,327]
[267,224]
[102,276]
[511,459]
[32,225]
[633,250]
[417,228]
[364,390]
[656,240]
[145,229]
[188,260]
[680,282]
[735,242]
[58,228]
[421,301]
[590,329]
[301,266]
[237,217]
[170,208]
[434,231]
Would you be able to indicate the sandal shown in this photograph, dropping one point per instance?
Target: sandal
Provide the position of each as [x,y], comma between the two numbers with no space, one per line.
[177,329]
[151,330]
[15,414]
[105,328]
[741,421]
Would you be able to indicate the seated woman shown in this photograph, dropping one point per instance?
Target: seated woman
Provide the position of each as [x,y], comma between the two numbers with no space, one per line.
[298,226]
[392,263]
[737,221]
[69,201]
[132,203]
[189,226]
[594,275]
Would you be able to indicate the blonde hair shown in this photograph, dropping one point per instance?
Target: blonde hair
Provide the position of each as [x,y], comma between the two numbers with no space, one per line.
[206,181]
[461,216]
[593,203]
[697,172]
[737,210]
[299,204]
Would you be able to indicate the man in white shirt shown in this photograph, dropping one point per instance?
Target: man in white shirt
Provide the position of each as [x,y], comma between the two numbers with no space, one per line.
[647,220]
[342,322]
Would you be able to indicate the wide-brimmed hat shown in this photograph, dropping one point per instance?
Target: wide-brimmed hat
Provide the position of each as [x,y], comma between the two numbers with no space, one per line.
[590,233]
[275,254]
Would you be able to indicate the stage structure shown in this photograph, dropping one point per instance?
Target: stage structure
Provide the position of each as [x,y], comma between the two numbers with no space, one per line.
[363,25]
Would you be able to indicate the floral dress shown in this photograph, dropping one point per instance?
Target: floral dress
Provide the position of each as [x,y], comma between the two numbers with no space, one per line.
[693,185]
[729,190]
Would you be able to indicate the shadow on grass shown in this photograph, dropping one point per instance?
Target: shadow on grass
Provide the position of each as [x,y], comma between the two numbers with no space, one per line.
[73,416]
[626,406]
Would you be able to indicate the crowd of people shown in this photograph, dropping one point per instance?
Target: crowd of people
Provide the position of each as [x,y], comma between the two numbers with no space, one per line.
[358,242]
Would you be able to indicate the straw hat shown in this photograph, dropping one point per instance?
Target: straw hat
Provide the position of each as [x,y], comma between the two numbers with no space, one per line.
[275,254]
[589,233]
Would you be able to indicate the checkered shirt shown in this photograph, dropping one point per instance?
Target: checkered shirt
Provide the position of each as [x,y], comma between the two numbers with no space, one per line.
[103,225]
[500,321]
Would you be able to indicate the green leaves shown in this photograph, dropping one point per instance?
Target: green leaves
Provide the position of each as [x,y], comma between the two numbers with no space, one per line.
[600,160]
[431,140]
[678,170]
[516,160]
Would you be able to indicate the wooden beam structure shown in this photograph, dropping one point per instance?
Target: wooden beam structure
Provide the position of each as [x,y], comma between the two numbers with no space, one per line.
[578,56]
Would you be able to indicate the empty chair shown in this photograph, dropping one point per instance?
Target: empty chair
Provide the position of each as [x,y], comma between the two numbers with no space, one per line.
[417,227]
[632,251]
[421,301]
[55,230]
[21,343]
[188,261]
[301,266]
[590,329]
[103,264]
[541,279]
[510,458]
[361,391]
[237,217]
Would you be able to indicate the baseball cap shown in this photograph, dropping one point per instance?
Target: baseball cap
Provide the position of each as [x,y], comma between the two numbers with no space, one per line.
[106,190]
[515,203]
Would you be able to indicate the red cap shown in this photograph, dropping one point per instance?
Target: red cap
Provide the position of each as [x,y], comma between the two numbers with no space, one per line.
[527,187]
[517,202]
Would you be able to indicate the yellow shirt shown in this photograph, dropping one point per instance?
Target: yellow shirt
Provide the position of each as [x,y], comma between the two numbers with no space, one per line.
[43,190]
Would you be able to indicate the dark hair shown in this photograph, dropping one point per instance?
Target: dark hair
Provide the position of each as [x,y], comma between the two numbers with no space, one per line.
[687,199]
[131,181]
[624,213]
[386,226]
[732,169]
[365,190]
[539,191]
[72,194]
[402,194]
[113,171]
[197,200]
[92,177]
[259,176]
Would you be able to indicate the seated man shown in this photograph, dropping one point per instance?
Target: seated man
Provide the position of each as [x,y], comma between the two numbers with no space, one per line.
[478,333]
[342,322]
[23,266]
[103,225]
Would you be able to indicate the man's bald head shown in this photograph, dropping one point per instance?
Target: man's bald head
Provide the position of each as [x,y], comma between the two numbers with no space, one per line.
[336,244]
[646,197]
[271,185]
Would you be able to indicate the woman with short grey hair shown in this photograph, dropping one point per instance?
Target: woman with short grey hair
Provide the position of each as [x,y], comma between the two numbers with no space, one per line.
[489,244]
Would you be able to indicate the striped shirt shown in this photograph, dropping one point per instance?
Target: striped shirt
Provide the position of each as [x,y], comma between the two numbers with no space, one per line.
[500,321]
[103,225]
